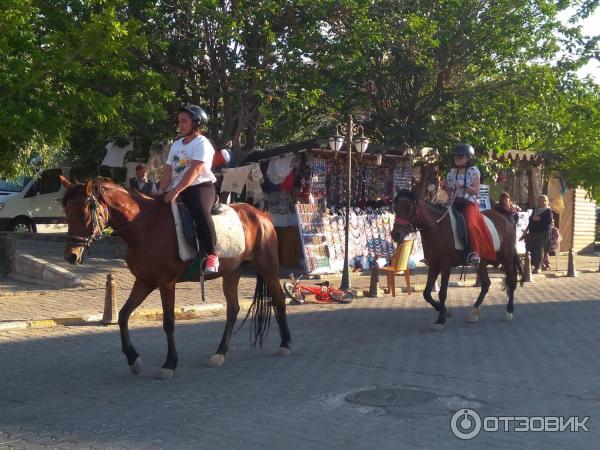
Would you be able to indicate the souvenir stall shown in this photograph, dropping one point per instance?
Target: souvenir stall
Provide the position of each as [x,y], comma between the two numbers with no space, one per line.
[304,190]
[574,213]
[522,178]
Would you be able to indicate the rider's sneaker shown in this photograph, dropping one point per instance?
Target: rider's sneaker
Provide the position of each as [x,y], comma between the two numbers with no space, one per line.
[212,264]
[474,258]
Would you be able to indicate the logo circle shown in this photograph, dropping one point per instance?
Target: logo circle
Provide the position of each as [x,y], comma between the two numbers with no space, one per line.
[465,424]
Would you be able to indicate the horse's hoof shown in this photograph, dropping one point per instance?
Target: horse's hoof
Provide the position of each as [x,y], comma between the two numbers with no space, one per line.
[164,374]
[508,317]
[136,367]
[216,360]
[437,327]
[282,351]
[473,316]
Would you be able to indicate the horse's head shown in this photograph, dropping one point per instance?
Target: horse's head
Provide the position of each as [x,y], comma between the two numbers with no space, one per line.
[87,216]
[406,209]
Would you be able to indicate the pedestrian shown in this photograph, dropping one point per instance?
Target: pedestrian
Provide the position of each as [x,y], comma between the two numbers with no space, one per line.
[188,174]
[140,182]
[508,208]
[462,184]
[537,237]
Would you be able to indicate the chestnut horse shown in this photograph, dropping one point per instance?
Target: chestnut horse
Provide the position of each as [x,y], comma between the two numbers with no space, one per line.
[148,229]
[433,222]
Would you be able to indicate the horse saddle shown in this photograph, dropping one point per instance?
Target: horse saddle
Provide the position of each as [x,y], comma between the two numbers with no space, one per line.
[460,233]
[231,241]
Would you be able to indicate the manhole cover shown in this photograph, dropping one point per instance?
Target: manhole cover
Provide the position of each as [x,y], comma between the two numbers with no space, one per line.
[391,397]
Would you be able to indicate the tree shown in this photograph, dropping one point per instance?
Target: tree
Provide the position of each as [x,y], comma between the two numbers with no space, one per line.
[70,76]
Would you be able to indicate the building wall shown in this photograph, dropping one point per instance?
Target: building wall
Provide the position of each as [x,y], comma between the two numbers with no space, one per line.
[585,222]
[580,232]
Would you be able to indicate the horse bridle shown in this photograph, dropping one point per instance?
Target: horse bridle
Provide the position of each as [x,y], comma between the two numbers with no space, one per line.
[416,214]
[99,222]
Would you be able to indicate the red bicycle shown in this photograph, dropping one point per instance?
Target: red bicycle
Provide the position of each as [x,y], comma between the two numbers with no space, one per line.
[322,291]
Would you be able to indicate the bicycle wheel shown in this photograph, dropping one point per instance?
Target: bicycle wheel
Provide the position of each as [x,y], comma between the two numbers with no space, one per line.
[293,293]
[341,296]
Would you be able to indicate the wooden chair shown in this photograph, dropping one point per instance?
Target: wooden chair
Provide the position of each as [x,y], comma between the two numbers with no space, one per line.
[399,266]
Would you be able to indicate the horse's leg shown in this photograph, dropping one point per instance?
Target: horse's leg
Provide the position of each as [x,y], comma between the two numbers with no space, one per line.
[269,270]
[138,293]
[432,275]
[230,289]
[484,277]
[439,324]
[511,284]
[167,297]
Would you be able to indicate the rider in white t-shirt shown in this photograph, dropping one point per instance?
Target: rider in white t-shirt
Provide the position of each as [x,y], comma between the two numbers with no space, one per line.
[187,173]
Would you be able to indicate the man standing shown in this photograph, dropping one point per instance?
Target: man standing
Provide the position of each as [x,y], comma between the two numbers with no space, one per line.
[140,183]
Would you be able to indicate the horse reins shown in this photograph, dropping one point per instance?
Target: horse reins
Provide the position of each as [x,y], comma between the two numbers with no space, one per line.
[417,216]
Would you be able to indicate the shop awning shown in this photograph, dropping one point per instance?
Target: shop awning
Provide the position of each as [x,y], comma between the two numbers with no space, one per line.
[320,144]
[516,155]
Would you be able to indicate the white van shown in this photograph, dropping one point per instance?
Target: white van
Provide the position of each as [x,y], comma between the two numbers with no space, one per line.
[32,204]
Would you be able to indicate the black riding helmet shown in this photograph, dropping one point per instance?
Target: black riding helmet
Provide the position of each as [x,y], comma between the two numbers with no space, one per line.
[463,150]
[199,116]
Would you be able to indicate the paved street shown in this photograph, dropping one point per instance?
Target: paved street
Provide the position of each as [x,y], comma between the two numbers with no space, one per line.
[69,387]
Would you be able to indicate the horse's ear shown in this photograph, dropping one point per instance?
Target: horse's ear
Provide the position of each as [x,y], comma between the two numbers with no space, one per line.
[66,183]
[88,187]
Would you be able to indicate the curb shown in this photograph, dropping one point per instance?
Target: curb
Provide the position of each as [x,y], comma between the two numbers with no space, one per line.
[181,313]
[25,267]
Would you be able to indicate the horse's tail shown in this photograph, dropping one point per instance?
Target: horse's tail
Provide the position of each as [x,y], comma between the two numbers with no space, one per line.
[260,309]
[518,267]
[517,271]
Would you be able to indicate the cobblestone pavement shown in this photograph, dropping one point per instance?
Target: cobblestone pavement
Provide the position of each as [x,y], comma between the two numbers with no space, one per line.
[69,387]
[24,301]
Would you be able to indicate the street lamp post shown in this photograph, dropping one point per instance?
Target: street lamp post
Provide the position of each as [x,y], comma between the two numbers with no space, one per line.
[353,139]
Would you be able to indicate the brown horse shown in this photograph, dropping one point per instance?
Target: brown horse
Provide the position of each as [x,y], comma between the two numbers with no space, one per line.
[440,254]
[148,229]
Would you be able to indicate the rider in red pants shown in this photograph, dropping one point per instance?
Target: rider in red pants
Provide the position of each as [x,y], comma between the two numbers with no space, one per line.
[462,184]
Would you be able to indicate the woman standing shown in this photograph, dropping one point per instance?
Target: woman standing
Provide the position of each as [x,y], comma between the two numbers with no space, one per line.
[538,237]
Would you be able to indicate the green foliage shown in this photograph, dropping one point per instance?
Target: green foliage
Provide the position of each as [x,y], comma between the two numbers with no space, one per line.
[70,74]
[498,74]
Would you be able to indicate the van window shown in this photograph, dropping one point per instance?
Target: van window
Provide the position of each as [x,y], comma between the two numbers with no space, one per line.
[15,185]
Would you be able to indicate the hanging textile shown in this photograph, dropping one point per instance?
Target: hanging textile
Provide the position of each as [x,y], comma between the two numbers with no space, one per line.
[522,187]
[115,155]
[535,179]
[234,179]
[555,194]
[279,168]
[253,183]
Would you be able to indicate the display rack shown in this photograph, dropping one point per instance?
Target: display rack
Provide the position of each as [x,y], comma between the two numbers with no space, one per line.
[315,248]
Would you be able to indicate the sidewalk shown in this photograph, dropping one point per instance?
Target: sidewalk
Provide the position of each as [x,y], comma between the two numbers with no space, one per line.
[20,301]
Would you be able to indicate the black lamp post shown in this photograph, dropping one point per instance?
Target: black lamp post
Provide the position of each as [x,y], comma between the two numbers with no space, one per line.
[355,137]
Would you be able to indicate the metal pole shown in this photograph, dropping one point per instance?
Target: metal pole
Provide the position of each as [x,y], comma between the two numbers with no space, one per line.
[346,272]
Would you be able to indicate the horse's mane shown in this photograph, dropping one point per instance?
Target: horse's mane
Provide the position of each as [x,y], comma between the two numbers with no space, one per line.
[108,185]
